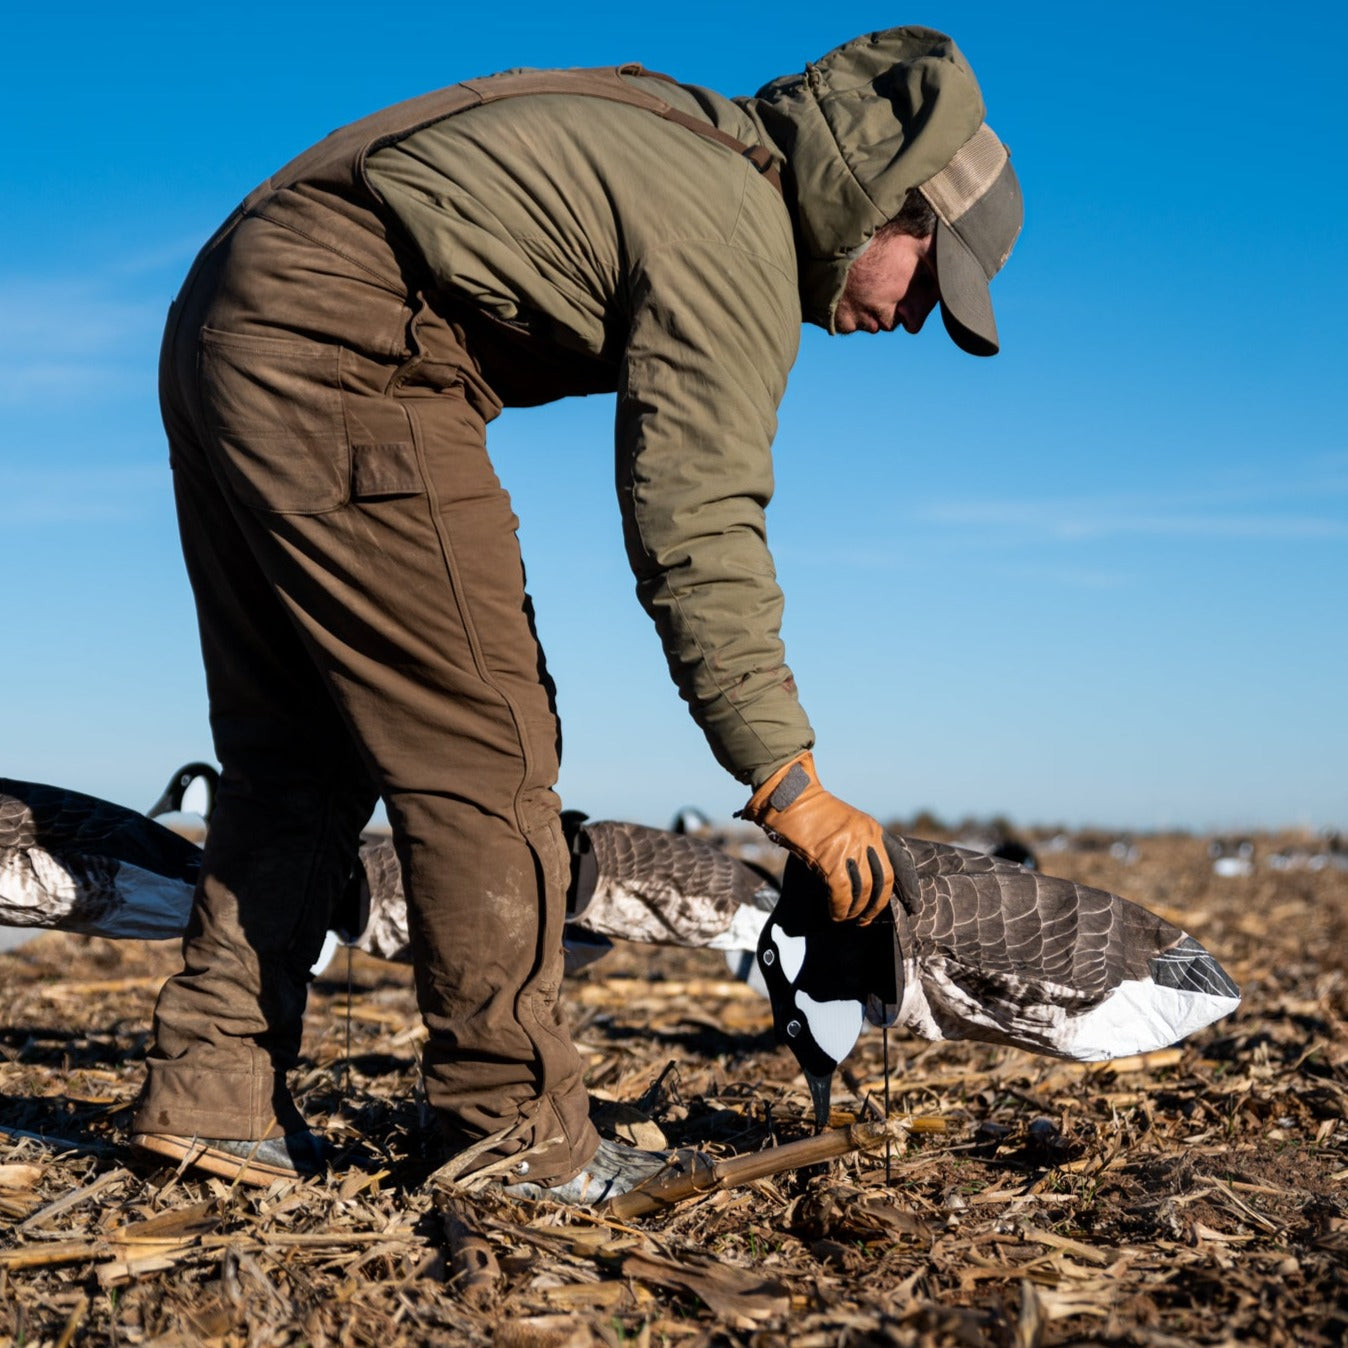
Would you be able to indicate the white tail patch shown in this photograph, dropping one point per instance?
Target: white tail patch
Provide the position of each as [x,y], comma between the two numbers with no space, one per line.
[1139,1016]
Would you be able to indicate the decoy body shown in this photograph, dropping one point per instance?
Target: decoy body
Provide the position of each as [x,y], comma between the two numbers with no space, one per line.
[627,881]
[647,884]
[976,947]
[82,864]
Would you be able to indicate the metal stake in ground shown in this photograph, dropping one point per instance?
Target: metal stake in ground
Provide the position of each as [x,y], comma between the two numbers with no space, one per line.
[889,1141]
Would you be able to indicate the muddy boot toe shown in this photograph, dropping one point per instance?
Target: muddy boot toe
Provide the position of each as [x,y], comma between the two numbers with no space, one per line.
[614,1169]
[248,1160]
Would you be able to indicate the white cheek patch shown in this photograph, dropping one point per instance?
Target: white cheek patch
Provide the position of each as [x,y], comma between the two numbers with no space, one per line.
[835,1025]
[330,943]
[791,951]
[197,797]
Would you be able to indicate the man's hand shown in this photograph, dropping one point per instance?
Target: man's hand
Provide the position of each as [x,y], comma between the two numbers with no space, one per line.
[845,846]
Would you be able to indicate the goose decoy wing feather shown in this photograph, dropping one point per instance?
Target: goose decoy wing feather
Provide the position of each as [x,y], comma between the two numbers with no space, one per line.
[87,865]
[648,884]
[1010,955]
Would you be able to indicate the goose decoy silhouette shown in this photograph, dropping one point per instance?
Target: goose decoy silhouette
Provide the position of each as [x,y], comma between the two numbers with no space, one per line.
[192,789]
[689,820]
[1231,858]
[995,842]
[976,947]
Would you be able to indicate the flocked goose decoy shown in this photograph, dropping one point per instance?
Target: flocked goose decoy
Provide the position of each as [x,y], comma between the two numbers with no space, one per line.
[627,881]
[976,947]
[79,863]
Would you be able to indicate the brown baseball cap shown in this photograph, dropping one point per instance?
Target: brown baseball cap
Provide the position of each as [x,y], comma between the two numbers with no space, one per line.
[979,213]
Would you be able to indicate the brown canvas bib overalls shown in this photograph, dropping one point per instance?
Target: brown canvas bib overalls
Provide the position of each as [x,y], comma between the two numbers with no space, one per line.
[366,633]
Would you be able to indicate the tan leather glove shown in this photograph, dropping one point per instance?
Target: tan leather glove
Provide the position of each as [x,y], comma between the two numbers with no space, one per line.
[845,846]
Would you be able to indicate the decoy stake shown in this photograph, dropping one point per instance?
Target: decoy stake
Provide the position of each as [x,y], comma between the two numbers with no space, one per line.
[889,1148]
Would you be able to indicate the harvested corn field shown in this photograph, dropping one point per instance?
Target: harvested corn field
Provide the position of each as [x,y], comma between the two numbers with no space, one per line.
[1191,1196]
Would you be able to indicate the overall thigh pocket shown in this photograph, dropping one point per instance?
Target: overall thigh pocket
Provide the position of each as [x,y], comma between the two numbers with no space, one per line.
[273,406]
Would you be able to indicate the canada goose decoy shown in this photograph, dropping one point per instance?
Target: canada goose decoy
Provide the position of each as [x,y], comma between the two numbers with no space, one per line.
[1231,858]
[981,948]
[192,788]
[997,843]
[824,978]
[82,864]
[627,881]
[690,821]
[647,884]
[1012,849]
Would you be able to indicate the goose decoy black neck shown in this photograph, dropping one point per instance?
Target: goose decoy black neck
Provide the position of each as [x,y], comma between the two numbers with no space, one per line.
[824,978]
[172,800]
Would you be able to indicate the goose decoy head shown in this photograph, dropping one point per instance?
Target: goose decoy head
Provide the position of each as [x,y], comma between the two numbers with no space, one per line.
[180,783]
[824,978]
[1012,849]
[691,822]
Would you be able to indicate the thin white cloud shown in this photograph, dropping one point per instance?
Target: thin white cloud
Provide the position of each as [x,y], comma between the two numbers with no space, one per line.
[61,383]
[79,495]
[170,257]
[77,337]
[1070,522]
[1067,576]
[40,317]
[1305,494]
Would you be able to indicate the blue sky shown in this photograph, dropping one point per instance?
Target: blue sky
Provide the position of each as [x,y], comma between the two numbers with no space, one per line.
[1096,579]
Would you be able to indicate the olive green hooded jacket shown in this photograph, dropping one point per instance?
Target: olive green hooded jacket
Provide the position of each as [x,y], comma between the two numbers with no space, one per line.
[671,271]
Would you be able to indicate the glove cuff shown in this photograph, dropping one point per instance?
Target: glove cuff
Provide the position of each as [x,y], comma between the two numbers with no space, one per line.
[782,789]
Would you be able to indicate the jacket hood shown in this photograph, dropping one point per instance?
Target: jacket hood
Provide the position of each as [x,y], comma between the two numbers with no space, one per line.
[855,131]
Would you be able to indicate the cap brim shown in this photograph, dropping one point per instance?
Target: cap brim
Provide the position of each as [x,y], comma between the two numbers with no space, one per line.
[966,305]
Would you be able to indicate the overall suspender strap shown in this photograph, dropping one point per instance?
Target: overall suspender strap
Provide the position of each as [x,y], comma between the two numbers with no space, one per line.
[607,82]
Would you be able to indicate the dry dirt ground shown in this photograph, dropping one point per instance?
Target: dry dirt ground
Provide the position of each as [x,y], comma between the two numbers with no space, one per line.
[1196,1196]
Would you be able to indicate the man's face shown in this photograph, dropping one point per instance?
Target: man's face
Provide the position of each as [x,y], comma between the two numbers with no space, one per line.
[892,284]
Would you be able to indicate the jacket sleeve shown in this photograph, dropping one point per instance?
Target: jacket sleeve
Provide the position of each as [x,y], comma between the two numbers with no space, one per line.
[714,331]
